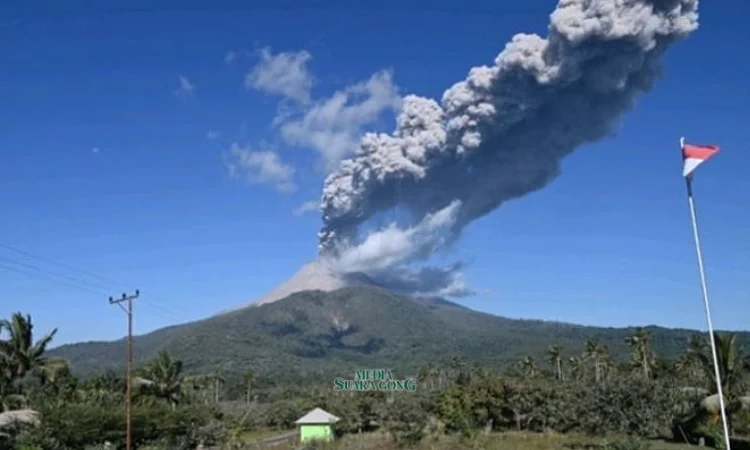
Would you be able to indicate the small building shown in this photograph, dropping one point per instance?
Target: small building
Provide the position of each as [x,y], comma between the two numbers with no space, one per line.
[316,425]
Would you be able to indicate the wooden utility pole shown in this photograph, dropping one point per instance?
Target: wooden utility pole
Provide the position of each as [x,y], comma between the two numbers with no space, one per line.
[129,364]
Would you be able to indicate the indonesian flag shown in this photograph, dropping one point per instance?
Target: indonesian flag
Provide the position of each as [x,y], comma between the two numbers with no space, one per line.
[695,155]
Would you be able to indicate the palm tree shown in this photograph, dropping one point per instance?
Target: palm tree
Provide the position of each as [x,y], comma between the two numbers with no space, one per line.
[249,378]
[424,374]
[163,378]
[555,358]
[23,356]
[689,364]
[529,367]
[730,361]
[597,353]
[197,387]
[576,368]
[731,366]
[643,355]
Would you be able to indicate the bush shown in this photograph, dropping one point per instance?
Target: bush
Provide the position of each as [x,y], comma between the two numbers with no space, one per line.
[79,426]
[406,421]
[741,423]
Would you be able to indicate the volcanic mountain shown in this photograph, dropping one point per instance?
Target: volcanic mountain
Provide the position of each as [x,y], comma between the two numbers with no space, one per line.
[313,276]
[318,334]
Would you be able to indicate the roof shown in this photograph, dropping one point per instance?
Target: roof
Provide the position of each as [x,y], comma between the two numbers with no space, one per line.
[317,416]
[19,416]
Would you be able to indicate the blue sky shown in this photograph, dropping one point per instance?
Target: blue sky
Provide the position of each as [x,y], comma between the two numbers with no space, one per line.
[108,166]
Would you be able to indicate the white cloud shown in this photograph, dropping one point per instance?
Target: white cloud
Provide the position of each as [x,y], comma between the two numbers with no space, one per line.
[261,166]
[283,73]
[393,246]
[230,57]
[212,135]
[186,88]
[333,126]
[307,207]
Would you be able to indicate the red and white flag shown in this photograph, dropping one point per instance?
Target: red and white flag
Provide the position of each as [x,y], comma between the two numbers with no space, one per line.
[694,155]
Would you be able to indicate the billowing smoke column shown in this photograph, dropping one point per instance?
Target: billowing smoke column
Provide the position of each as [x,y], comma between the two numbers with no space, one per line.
[498,135]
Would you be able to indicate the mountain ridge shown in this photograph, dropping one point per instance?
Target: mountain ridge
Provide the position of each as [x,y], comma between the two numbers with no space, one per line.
[317,334]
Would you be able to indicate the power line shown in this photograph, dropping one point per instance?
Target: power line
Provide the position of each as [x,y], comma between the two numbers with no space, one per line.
[59,264]
[163,309]
[38,269]
[43,276]
[32,274]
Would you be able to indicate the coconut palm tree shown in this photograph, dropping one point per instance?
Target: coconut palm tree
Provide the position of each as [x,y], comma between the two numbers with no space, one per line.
[248,378]
[163,379]
[577,369]
[730,361]
[529,367]
[596,353]
[555,358]
[21,355]
[688,365]
[644,358]
[731,366]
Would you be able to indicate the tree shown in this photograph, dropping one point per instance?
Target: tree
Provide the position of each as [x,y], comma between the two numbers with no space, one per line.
[731,371]
[248,379]
[577,369]
[162,378]
[689,365]
[642,354]
[555,356]
[21,355]
[529,367]
[730,362]
[596,353]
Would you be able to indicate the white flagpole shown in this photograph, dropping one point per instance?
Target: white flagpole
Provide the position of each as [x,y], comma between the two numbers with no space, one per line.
[719,390]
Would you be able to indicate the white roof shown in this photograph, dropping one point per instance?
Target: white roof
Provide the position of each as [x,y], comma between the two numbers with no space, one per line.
[316,416]
[20,415]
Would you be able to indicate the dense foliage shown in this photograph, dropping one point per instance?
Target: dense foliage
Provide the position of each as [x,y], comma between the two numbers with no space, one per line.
[589,394]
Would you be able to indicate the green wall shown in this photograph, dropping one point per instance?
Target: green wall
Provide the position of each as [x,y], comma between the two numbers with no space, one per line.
[310,432]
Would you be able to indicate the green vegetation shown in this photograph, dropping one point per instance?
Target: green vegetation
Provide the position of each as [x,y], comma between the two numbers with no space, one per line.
[316,335]
[553,399]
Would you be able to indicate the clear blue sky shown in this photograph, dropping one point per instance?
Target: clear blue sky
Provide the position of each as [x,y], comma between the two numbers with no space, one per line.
[105,168]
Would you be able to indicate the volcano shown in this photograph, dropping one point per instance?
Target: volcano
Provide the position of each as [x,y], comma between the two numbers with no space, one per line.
[313,276]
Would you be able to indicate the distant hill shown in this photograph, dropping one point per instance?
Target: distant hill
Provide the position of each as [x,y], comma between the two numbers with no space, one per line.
[327,334]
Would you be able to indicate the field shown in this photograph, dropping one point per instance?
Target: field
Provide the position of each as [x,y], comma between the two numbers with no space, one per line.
[499,441]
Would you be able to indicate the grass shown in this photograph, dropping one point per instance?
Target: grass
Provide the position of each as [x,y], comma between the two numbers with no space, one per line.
[256,435]
[495,441]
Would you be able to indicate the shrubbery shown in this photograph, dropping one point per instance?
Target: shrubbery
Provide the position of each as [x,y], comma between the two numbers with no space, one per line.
[76,426]
[588,395]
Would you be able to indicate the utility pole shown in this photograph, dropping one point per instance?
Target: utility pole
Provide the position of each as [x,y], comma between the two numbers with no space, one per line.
[129,365]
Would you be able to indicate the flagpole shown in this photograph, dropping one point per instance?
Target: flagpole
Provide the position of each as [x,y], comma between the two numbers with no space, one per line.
[717,375]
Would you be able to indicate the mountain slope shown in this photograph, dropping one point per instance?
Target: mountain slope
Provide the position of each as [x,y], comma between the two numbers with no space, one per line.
[328,334]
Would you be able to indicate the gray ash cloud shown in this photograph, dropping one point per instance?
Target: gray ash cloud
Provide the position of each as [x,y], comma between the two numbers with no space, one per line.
[497,135]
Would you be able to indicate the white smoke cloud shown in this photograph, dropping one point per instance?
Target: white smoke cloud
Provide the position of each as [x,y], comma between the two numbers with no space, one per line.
[385,256]
[307,207]
[394,246]
[260,166]
[284,74]
[499,134]
[333,126]
[426,281]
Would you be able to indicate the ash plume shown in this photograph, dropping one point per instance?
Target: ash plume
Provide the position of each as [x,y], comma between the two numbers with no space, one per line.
[498,135]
